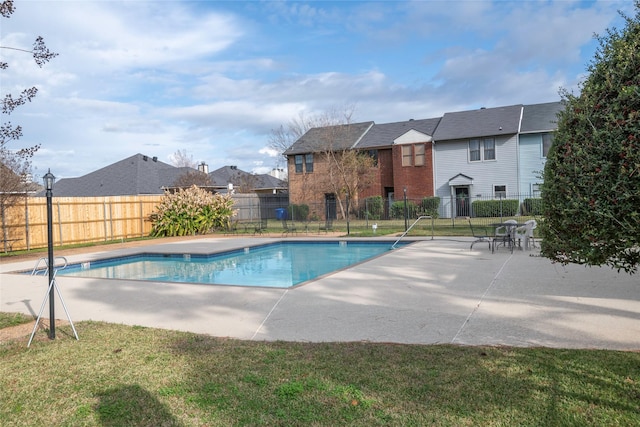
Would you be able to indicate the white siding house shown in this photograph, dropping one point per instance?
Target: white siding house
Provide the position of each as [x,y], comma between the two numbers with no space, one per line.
[475,156]
[536,136]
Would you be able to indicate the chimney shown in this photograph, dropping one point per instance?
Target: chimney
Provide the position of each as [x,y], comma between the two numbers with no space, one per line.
[203,167]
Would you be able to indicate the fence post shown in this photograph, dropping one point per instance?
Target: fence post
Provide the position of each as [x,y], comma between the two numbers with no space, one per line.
[27,236]
[59,223]
[104,218]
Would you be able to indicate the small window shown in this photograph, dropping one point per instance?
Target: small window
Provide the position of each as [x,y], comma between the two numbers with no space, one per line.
[374,155]
[419,155]
[407,155]
[474,150]
[299,162]
[308,162]
[500,191]
[547,141]
[489,149]
[535,190]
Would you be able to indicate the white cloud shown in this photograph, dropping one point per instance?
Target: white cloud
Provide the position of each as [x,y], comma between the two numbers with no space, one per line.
[215,77]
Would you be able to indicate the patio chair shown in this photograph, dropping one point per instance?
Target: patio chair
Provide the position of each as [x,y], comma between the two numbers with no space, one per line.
[534,225]
[288,227]
[232,227]
[260,227]
[328,225]
[504,234]
[480,237]
[520,234]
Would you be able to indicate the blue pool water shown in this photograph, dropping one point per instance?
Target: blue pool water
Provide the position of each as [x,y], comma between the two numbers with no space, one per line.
[278,265]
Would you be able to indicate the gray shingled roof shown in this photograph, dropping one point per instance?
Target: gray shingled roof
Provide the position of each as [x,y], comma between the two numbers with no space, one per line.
[383,135]
[138,174]
[227,174]
[540,117]
[221,177]
[268,182]
[338,137]
[479,123]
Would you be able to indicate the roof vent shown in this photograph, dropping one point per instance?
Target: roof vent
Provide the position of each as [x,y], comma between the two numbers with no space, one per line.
[483,108]
[155,159]
[145,158]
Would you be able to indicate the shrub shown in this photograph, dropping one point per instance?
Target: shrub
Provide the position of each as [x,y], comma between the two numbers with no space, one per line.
[430,206]
[397,209]
[532,207]
[191,211]
[298,212]
[493,208]
[373,207]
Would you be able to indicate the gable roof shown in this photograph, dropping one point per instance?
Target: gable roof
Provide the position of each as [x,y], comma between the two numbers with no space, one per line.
[268,182]
[141,174]
[220,178]
[227,174]
[135,175]
[479,123]
[383,135]
[339,137]
[540,117]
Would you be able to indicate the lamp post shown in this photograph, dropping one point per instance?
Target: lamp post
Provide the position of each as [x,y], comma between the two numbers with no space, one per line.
[49,179]
[348,230]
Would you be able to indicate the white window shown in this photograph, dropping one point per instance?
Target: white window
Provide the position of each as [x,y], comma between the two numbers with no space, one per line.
[489,149]
[474,150]
[500,191]
[481,150]
[535,190]
[547,141]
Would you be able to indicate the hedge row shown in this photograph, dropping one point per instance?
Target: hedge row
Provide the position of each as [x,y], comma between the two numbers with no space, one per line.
[494,208]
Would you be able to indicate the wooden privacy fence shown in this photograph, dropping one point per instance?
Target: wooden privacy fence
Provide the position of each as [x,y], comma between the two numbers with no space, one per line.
[76,220]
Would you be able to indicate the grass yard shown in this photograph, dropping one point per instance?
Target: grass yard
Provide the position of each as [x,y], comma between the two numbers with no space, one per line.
[132,376]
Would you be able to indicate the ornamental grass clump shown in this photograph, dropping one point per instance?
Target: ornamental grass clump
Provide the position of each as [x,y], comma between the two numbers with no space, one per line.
[191,211]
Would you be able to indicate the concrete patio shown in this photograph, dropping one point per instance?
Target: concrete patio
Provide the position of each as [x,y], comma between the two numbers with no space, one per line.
[433,291]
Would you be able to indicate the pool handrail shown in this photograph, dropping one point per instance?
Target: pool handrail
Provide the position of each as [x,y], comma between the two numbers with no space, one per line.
[64,264]
[411,226]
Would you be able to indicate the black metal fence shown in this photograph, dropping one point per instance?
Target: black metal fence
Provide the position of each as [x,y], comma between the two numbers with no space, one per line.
[377,215]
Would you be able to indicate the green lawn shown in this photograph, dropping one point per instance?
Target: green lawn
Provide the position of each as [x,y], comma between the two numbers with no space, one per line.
[132,376]
[13,319]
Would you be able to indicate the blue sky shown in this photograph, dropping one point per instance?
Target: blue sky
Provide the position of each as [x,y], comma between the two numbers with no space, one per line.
[214,78]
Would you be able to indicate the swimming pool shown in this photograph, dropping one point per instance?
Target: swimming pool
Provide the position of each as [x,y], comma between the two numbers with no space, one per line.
[276,265]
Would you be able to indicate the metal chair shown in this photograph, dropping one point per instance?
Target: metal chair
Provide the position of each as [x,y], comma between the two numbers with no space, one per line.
[480,237]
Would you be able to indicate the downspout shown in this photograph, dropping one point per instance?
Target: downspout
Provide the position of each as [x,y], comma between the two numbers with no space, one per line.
[518,177]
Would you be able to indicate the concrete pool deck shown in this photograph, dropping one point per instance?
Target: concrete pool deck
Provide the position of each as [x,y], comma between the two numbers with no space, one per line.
[433,291]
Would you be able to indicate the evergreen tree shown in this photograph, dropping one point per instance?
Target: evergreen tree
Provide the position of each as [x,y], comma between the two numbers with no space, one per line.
[591,190]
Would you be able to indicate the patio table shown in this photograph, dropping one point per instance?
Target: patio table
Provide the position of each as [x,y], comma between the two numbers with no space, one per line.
[510,237]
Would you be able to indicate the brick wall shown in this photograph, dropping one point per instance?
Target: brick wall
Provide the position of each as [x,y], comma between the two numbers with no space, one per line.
[418,180]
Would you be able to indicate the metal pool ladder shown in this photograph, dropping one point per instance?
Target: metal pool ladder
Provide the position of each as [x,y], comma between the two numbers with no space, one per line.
[411,226]
[53,284]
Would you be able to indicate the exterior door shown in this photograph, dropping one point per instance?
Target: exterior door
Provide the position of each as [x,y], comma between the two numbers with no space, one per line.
[330,206]
[463,207]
